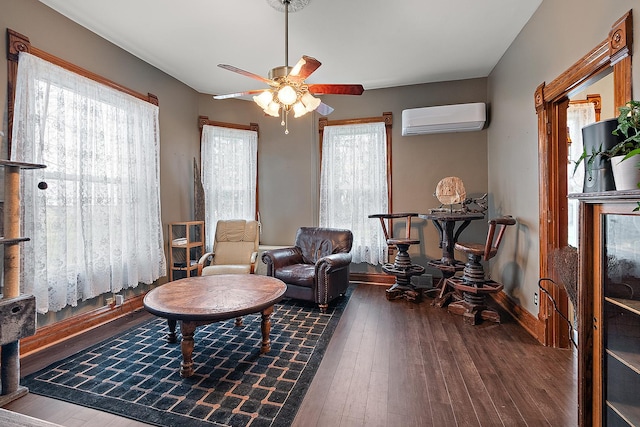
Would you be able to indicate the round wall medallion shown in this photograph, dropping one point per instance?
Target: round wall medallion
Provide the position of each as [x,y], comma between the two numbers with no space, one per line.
[294,5]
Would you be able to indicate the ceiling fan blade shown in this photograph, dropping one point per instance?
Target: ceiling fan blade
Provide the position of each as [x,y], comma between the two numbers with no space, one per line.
[336,89]
[246,73]
[303,69]
[324,109]
[237,94]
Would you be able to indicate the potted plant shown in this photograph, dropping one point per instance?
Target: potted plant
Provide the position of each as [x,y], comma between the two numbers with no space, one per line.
[625,155]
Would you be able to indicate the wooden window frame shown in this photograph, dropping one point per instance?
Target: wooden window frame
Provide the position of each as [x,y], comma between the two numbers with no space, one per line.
[594,99]
[198,191]
[19,43]
[387,119]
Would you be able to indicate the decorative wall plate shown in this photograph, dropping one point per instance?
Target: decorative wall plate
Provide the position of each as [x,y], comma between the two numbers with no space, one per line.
[450,191]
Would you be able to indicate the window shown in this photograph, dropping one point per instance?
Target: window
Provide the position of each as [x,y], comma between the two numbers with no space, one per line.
[229,175]
[97,227]
[578,116]
[355,183]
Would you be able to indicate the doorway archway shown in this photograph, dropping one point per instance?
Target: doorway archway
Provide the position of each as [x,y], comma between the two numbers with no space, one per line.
[551,100]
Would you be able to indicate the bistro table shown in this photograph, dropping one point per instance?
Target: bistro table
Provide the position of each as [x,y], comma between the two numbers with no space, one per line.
[445,222]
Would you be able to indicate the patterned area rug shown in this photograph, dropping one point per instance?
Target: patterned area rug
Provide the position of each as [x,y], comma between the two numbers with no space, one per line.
[136,374]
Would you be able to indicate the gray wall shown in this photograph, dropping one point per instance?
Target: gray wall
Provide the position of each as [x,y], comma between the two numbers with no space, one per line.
[288,164]
[549,44]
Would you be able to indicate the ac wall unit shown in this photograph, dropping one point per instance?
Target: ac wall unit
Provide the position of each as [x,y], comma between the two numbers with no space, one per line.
[444,118]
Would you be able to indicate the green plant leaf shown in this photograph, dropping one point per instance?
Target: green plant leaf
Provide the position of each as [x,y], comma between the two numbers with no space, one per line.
[629,126]
[589,157]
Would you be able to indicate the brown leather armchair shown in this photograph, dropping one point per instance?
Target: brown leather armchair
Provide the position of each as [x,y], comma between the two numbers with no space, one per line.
[316,268]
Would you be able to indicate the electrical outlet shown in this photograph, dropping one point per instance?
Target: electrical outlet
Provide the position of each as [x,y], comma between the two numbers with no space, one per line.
[119,300]
[535,298]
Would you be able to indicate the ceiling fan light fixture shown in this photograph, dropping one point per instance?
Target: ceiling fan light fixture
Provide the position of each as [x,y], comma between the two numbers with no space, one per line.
[288,88]
[310,102]
[287,95]
[264,99]
[273,109]
[299,109]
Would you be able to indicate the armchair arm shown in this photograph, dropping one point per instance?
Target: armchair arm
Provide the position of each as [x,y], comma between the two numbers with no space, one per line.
[254,257]
[204,261]
[334,261]
[332,277]
[278,258]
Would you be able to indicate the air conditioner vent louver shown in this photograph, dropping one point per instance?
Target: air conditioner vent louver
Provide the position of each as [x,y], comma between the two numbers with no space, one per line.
[444,118]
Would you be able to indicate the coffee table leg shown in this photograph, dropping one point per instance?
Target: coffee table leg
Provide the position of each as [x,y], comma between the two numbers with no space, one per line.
[187,329]
[266,329]
[171,335]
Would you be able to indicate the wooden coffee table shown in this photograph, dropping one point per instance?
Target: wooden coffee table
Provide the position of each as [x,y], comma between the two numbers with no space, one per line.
[196,301]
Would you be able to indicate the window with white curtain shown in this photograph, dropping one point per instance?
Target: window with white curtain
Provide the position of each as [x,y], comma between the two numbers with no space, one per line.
[353,185]
[97,227]
[229,175]
[578,116]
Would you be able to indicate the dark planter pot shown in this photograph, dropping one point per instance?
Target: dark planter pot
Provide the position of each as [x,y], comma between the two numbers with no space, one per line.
[597,136]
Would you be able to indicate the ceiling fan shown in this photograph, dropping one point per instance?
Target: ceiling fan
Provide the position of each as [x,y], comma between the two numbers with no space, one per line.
[288,89]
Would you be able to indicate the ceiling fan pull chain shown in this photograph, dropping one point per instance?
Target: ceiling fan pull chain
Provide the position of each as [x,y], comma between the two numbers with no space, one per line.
[285,121]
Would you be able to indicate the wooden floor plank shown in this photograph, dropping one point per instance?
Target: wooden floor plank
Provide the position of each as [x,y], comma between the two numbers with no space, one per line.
[483,405]
[435,383]
[460,399]
[358,389]
[321,384]
[376,410]
[339,396]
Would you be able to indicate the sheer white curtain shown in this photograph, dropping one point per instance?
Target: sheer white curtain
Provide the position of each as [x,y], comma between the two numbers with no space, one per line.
[353,185]
[578,116]
[229,170]
[97,228]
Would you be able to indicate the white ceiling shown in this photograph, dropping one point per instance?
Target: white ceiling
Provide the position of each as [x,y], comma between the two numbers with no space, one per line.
[377,43]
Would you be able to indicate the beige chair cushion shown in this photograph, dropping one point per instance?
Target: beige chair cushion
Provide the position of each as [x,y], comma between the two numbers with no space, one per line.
[226,269]
[235,248]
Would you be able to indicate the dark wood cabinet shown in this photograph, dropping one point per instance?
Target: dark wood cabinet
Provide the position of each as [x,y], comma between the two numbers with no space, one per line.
[609,309]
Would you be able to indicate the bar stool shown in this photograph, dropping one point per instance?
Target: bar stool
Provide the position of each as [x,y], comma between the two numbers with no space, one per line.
[388,233]
[473,285]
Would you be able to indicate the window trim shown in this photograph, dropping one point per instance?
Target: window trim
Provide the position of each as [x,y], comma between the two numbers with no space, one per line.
[387,119]
[198,189]
[20,43]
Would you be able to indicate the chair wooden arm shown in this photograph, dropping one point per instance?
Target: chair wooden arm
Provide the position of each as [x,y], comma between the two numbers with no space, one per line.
[204,261]
[491,248]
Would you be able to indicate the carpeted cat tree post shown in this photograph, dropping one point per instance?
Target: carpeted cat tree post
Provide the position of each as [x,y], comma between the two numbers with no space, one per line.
[17,311]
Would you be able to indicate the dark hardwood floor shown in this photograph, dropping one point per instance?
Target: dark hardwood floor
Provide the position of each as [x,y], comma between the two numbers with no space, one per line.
[395,364]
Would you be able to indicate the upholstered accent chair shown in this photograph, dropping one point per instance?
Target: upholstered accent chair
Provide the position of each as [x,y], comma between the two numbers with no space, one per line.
[316,268]
[235,249]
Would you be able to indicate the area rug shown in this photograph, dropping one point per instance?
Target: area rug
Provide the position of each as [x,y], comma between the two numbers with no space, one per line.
[136,374]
